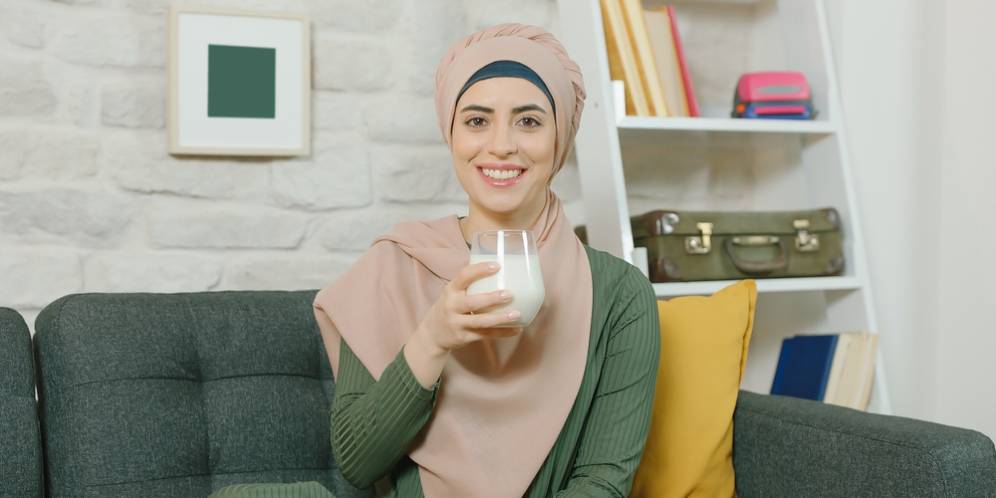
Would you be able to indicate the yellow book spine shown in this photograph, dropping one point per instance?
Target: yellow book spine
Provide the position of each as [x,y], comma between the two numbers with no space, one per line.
[650,74]
[665,52]
[626,68]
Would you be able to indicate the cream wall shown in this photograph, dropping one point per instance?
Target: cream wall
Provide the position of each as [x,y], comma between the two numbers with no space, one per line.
[91,202]
[966,381]
[914,76]
[880,74]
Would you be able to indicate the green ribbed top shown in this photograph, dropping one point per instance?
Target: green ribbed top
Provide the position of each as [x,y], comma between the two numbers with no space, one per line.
[599,447]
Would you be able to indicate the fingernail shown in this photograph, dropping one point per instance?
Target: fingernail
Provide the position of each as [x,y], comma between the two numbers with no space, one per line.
[503,294]
[493,266]
[514,314]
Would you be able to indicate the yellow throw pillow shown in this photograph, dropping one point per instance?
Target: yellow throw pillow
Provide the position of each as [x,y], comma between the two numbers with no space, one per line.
[704,342]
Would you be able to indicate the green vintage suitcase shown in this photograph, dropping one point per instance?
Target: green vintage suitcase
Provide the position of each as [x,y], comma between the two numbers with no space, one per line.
[685,246]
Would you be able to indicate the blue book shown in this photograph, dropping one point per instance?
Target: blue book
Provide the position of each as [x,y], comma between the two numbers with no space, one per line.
[804,366]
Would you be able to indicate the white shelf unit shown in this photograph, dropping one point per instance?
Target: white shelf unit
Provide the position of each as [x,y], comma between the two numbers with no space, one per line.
[630,165]
[764,286]
[717,125]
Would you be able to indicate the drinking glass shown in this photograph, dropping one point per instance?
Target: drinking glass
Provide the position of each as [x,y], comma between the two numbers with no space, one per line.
[519,272]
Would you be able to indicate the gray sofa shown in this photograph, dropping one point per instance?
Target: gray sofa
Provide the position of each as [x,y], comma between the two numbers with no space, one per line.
[176,395]
[20,439]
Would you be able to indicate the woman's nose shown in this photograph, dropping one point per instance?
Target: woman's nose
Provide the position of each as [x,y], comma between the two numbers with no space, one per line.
[502,141]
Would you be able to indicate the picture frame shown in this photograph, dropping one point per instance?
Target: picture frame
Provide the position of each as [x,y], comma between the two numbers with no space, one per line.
[239,82]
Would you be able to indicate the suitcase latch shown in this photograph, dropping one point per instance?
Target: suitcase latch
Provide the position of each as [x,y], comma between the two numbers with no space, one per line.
[805,241]
[666,223]
[702,243]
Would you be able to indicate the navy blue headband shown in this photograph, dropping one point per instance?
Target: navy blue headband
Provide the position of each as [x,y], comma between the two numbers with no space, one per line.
[506,68]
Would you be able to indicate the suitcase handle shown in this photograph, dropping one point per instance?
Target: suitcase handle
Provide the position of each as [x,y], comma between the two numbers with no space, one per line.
[756,267]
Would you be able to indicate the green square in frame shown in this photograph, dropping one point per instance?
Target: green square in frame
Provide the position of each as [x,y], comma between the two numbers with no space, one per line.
[241,82]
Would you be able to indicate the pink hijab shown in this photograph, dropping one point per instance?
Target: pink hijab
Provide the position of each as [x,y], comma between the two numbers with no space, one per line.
[502,402]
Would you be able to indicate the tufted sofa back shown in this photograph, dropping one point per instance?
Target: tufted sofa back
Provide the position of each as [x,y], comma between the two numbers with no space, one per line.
[177,395]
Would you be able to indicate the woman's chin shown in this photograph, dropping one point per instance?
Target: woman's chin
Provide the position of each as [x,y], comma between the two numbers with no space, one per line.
[501,203]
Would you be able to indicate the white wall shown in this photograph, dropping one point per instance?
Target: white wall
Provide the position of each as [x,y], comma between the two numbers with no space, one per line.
[91,202]
[914,75]
[879,73]
[966,345]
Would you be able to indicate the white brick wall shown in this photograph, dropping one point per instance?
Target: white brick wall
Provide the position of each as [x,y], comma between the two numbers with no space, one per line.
[91,202]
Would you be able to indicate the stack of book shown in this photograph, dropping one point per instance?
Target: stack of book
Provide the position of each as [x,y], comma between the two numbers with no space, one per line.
[832,368]
[644,49]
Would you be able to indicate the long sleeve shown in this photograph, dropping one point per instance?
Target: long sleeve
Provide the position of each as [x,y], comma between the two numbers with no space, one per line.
[619,420]
[375,422]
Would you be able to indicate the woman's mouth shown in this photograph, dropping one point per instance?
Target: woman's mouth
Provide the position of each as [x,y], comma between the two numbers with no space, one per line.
[500,177]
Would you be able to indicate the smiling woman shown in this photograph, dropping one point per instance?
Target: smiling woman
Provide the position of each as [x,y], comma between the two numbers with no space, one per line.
[432,396]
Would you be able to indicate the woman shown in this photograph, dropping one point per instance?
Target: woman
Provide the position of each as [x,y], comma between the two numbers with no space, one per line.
[432,398]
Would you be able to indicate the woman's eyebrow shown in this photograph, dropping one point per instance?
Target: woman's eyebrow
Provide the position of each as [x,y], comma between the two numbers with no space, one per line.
[488,110]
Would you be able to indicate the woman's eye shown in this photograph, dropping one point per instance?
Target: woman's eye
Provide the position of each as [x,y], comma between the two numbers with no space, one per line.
[530,122]
[475,122]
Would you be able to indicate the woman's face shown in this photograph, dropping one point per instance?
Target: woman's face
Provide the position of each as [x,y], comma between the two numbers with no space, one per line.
[504,124]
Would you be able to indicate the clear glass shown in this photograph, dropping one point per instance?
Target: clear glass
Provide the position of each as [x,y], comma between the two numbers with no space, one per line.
[520,274]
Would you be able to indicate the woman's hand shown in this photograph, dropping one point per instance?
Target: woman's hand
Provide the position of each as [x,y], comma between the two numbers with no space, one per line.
[457,319]
[449,323]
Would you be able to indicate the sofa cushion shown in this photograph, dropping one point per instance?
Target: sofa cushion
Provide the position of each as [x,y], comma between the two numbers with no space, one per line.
[20,444]
[704,344]
[176,395]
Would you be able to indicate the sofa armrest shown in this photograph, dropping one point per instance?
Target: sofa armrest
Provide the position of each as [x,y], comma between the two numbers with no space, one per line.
[20,439]
[787,446]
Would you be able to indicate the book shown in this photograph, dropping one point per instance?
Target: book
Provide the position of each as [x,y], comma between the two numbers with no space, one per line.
[856,372]
[804,366]
[622,60]
[640,40]
[666,60]
[833,368]
[686,77]
[863,396]
[852,358]
[845,354]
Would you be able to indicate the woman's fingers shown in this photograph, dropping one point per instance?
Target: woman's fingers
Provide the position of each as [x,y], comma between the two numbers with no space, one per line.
[488,320]
[479,303]
[468,274]
[470,317]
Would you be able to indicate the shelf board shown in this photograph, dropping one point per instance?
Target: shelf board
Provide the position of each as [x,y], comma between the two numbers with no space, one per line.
[727,125]
[799,284]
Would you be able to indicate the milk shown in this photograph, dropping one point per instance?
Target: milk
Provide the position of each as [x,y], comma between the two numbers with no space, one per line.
[519,274]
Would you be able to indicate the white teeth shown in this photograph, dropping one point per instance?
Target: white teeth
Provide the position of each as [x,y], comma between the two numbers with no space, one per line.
[499,174]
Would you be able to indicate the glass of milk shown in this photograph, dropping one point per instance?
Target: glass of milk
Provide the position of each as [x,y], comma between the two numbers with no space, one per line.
[515,251]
